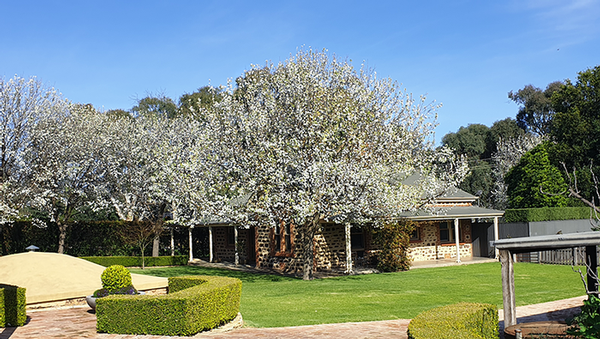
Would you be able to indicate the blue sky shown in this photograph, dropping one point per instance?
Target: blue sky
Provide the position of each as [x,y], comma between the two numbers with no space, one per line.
[466,55]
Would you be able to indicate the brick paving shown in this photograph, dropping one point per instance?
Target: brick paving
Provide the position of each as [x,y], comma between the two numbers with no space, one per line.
[80,322]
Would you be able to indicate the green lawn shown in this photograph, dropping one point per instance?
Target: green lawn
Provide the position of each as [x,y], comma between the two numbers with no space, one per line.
[272,301]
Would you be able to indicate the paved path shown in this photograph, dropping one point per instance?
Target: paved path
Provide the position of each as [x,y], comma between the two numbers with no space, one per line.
[79,322]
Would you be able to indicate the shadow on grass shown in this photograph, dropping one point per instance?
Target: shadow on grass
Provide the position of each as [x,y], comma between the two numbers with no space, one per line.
[246,277]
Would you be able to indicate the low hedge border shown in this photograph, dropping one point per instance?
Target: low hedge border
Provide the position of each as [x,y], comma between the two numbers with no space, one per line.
[129,261]
[546,214]
[462,320]
[12,306]
[194,304]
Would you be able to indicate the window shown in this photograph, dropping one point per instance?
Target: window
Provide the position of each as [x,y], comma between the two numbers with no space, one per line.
[446,231]
[357,238]
[230,232]
[282,239]
[415,235]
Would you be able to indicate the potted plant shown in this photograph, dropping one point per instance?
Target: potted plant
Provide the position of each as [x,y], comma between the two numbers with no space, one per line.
[116,279]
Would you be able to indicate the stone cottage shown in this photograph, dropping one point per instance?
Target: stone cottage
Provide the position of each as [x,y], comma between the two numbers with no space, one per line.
[444,232]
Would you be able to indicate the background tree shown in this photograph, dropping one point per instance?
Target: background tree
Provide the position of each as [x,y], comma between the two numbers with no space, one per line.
[535,107]
[23,103]
[508,154]
[192,104]
[64,171]
[534,173]
[134,172]
[159,105]
[575,129]
[140,234]
[478,142]
[314,140]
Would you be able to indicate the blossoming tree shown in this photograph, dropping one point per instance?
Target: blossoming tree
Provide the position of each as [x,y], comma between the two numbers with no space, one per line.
[312,139]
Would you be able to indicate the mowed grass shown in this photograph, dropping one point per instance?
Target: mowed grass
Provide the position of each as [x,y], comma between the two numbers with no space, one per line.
[273,301]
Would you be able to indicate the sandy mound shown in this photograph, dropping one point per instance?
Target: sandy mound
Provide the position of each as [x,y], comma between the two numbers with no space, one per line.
[53,276]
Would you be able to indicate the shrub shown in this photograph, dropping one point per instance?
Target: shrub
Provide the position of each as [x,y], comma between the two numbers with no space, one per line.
[458,321]
[129,261]
[546,214]
[115,277]
[394,240]
[12,306]
[193,304]
[587,323]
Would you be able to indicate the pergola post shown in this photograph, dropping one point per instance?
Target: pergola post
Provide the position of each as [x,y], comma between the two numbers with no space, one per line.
[348,250]
[456,237]
[496,236]
[210,244]
[592,269]
[508,288]
[191,243]
[235,240]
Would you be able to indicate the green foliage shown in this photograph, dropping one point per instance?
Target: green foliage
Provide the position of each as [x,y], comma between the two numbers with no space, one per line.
[134,261]
[84,238]
[535,110]
[192,104]
[393,240]
[462,320]
[156,106]
[196,304]
[478,142]
[115,277]
[470,140]
[12,306]
[507,128]
[479,181]
[534,171]
[575,128]
[546,214]
[587,323]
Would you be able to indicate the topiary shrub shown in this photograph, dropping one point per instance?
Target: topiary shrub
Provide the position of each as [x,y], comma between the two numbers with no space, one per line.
[115,277]
[458,321]
[193,304]
[12,306]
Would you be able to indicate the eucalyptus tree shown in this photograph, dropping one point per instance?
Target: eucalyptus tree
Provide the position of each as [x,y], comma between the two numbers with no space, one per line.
[312,139]
[63,170]
[23,103]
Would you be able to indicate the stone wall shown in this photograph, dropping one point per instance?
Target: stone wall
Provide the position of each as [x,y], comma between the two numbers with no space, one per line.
[225,251]
[330,247]
[430,248]
[266,258]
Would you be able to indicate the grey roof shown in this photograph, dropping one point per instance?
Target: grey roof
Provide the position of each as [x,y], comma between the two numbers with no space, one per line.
[456,194]
[544,242]
[460,212]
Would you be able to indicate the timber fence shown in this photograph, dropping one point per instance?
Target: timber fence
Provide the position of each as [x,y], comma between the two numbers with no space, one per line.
[568,256]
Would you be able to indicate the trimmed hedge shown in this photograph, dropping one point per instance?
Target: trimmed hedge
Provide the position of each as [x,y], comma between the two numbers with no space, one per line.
[128,261]
[458,321]
[12,306]
[193,304]
[546,214]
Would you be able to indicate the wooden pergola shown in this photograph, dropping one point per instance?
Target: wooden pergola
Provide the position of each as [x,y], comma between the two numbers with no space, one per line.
[508,247]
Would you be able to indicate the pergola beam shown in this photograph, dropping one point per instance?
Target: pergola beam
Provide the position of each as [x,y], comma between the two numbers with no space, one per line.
[509,247]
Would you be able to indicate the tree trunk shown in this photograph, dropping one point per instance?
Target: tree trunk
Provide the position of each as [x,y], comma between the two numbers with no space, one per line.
[155,245]
[310,228]
[62,228]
